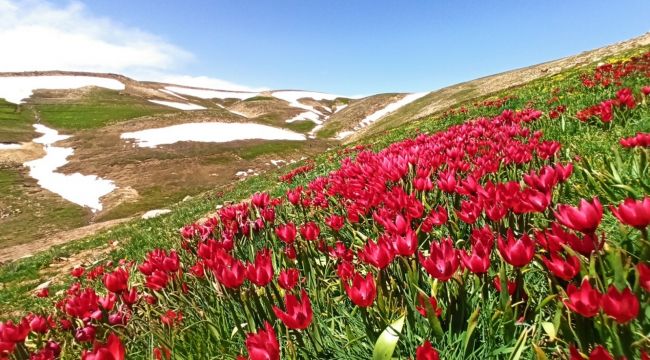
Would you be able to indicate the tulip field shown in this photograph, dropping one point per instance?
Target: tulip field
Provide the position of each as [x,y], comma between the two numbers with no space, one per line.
[509,227]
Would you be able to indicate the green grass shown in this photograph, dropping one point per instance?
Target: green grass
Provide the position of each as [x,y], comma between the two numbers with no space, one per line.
[99,108]
[32,214]
[276,148]
[15,123]
[259,98]
[302,126]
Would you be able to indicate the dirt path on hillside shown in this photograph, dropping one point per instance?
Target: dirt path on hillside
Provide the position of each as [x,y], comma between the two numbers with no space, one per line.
[25,250]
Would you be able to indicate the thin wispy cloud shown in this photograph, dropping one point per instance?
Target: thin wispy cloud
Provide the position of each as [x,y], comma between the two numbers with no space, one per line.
[39,35]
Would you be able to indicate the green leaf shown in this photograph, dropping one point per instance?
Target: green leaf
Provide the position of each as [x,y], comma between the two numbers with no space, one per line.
[387,341]
[471,325]
[549,328]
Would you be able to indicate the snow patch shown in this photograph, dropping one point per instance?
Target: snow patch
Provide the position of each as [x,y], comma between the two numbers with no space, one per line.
[172,94]
[177,105]
[155,213]
[15,89]
[389,109]
[212,94]
[4,146]
[84,190]
[307,115]
[340,107]
[209,132]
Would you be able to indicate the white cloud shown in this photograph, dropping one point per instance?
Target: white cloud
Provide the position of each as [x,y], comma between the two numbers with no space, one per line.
[38,35]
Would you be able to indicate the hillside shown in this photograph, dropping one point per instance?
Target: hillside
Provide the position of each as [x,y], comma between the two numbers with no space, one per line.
[97,120]
[511,223]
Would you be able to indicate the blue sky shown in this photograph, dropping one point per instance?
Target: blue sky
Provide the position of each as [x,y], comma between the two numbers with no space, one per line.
[363,47]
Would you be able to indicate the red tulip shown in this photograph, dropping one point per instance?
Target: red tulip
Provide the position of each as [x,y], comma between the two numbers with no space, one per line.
[335,222]
[587,244]
[623,306]
[264,345]
[345,270]
[643,274]
[645,90]
[261,200]
[512,285]
[378,254]
[516,252]
[584,300]
[426,352]
[310,231]
[116,281]
[478,261]
[286,232]
[422,308]
[600,353]
[405,245]
[565,268]
[584,218]
[77,271]
[635,213]
[111,350]
[157,280]
[626,98]
[442,262]
[261,272]
[363,291]
[288,278]
[298,314]
[231,274]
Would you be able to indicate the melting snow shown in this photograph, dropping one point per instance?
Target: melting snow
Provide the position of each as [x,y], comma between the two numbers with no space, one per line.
[10,146]
[177,105]
[292,97]
[172,94]
[389,109]
[209,132]
[340,107]
[84,190]
[307,115]
[17,88]
[212,94]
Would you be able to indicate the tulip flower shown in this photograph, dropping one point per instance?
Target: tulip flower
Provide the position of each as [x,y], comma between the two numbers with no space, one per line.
[288,278]
[263,345]
[363,291]
[261,200]
[643,274]
[622,306]
[426,352]
[345,270]
[442,262]
[422,308]
[157,280]
[378,254]
[584,218]
[113,349]
[565,268]
[231,275]
[584,300]
[512,285]
[77,271]
[286,232]
[478,261]
[310,231]
[261,272]
[600,353]
[405,245]
[335,222]
[298,313]
[116,281]
[626,98]
[635,213]
[517,252]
